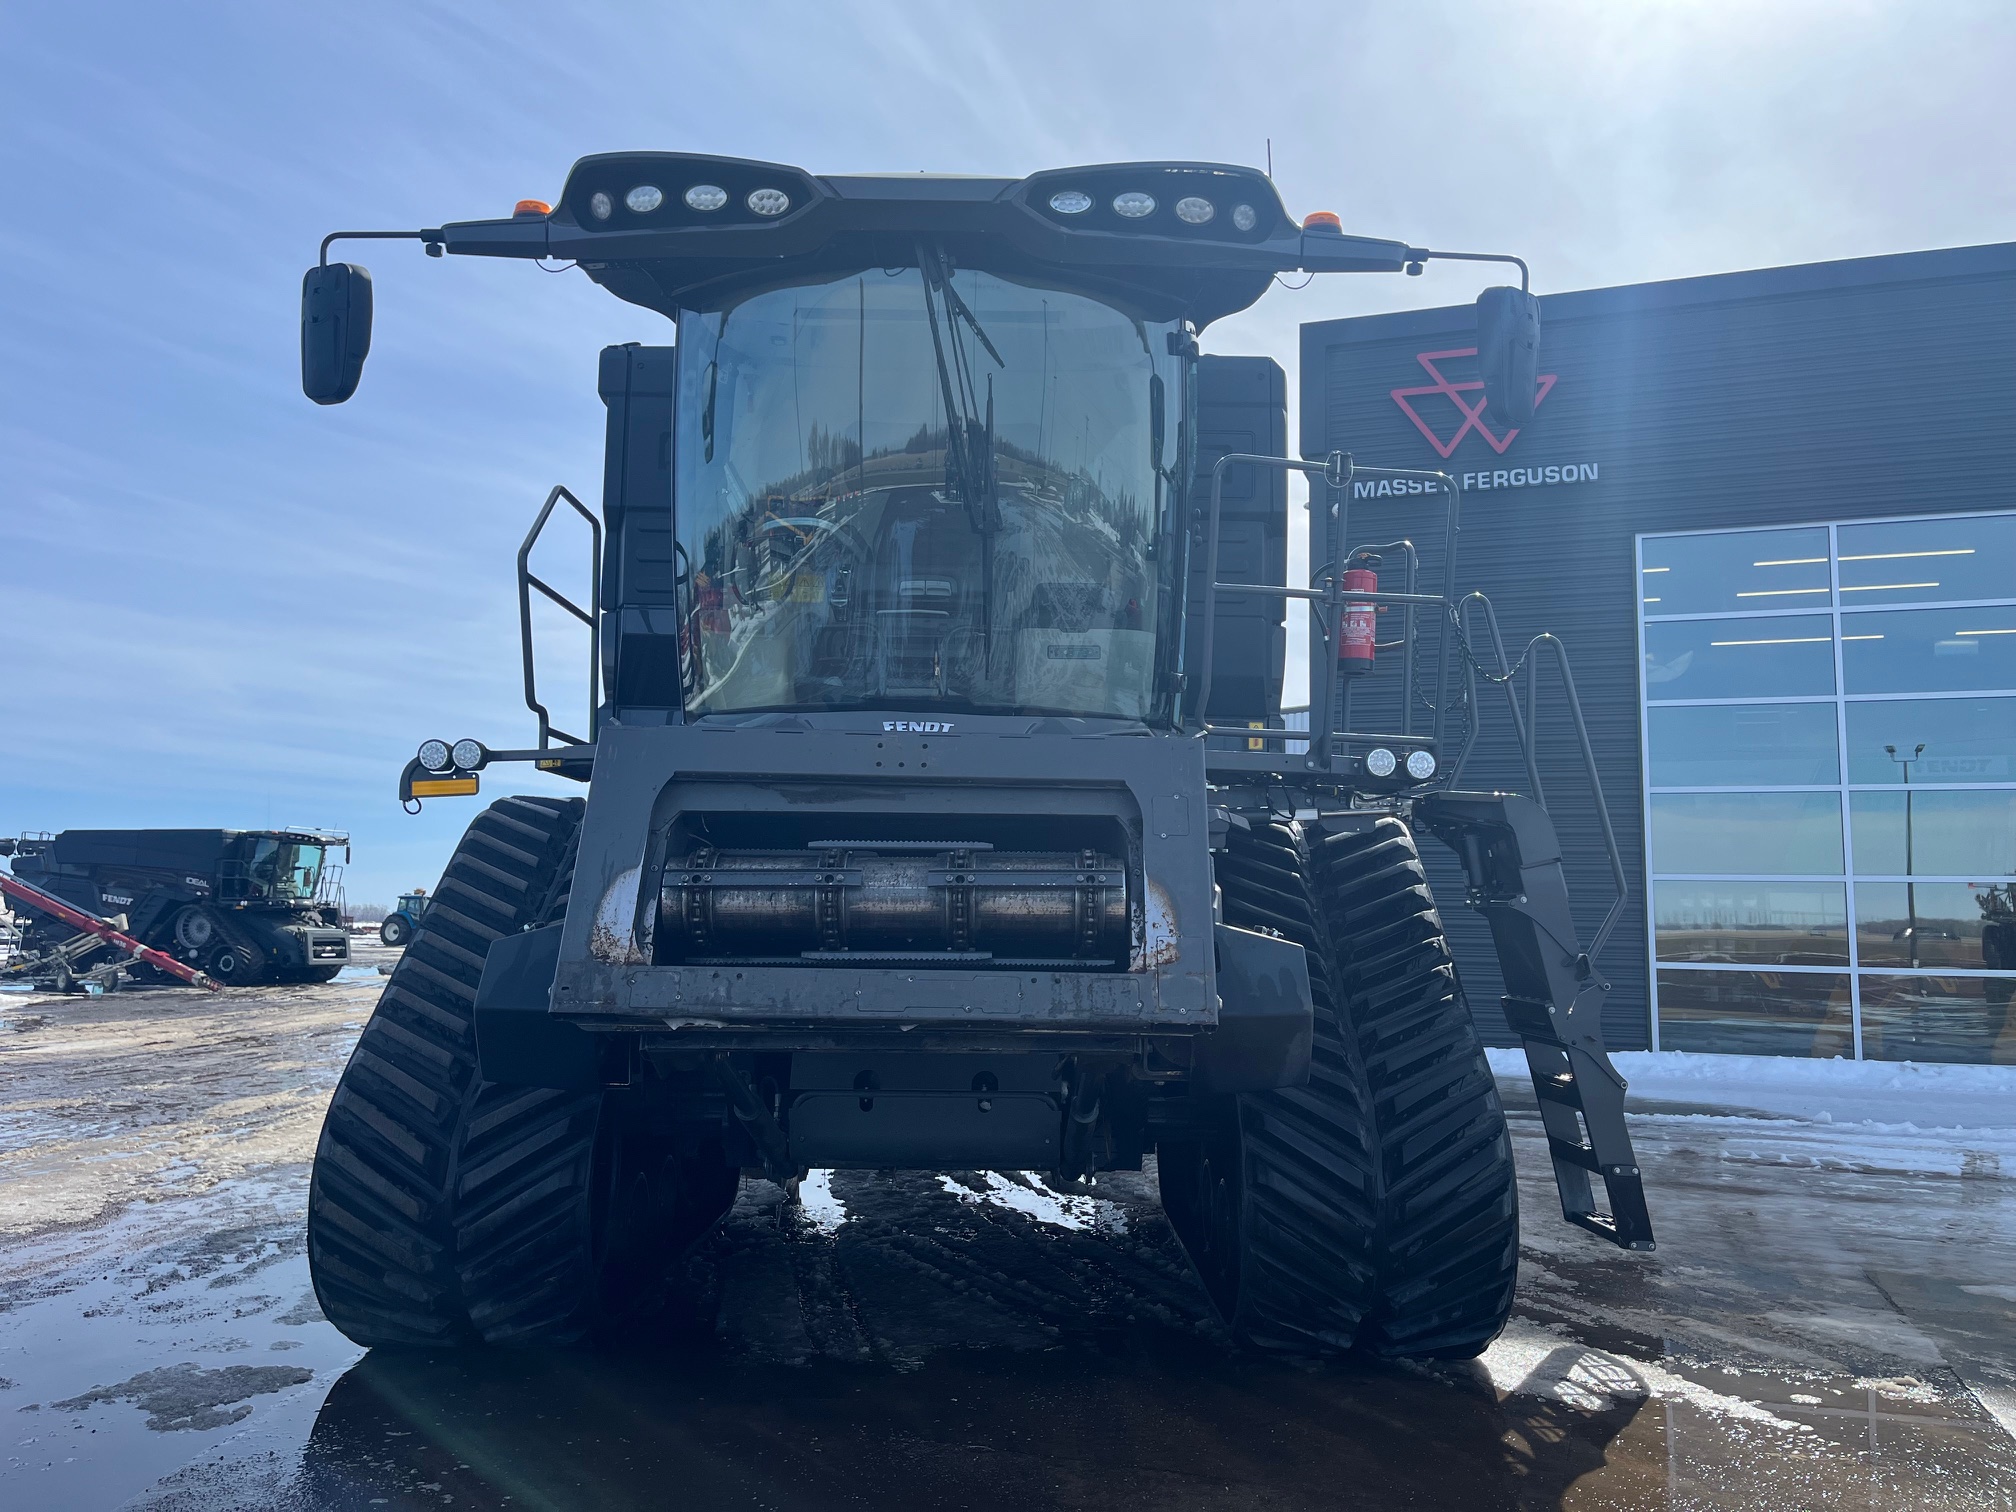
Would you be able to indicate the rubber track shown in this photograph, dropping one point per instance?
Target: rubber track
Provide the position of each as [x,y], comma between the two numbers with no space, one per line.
[444,1209]
[1308,1266]
[1448,1230]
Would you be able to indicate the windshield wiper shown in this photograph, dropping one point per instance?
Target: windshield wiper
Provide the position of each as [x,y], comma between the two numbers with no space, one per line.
[969,437]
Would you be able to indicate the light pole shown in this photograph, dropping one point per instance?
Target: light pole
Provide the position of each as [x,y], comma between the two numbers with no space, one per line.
[1910,868]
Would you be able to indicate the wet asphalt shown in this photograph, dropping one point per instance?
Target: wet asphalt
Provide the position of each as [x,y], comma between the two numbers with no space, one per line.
[1809,1335]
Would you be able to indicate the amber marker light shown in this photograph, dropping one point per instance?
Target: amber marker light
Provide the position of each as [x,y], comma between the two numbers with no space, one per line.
[531,207]
[1323,220]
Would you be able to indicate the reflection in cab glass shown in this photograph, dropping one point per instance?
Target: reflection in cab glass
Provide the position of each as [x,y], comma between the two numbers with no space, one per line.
[926,489]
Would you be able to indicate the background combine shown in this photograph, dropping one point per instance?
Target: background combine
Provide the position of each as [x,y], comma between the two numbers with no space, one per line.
[241,906]
[942,816]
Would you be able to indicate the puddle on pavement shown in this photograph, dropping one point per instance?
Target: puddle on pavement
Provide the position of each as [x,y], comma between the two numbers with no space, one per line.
[114,1376]
[989,1340]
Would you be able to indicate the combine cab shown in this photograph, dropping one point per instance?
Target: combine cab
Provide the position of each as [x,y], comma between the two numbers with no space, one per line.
[942,816]
[241,906]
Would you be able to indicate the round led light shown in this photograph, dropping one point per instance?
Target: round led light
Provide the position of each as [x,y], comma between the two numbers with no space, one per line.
[706,197]
[645,198]
[1070,202]
[434,755]
[1244,217]
[600,205]
[1420,765]
[769,201]
[1134,204]
[468,755]
[1194,210]
[1380,762]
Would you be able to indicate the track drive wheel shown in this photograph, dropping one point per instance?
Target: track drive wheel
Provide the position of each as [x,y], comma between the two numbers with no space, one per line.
[236,964]
[1376,1207]
[445,1209]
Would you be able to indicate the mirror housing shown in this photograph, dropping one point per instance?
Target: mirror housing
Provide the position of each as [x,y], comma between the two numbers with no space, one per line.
[1508,354]
[335,330]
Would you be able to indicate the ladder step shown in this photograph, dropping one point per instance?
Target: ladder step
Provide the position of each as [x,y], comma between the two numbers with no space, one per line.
[1561,1089]
[1576,1155]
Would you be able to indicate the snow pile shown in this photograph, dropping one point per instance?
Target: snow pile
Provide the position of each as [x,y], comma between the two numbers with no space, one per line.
[1831,1114]
[1896,1093]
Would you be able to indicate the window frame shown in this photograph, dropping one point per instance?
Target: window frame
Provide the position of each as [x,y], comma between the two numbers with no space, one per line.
[1842,617]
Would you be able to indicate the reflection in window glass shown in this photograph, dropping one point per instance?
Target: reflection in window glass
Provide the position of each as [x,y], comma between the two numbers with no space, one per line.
[1966,739]
[1919,560]
[1743,745]
[1937,834]
[1937,1018]
[1756,1012]
[1937,925]
[1929,651]
[1757,569]
[1783,656]
[1752,923]
[1747,833]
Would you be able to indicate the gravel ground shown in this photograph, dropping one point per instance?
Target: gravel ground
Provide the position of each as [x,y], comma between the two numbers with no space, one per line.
[1810,1334]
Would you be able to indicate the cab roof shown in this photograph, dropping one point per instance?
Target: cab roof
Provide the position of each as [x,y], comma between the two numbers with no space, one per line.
[671,230]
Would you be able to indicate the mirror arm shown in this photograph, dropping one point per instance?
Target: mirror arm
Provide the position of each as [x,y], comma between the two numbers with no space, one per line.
[1419,255]
[433,238]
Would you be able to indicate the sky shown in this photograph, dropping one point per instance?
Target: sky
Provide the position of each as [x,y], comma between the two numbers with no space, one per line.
[222,605]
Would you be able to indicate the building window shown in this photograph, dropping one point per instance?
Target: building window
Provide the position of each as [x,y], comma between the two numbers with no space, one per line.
[1830,807]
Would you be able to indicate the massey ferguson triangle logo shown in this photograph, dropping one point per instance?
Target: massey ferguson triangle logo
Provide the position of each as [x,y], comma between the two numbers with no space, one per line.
[1471,408]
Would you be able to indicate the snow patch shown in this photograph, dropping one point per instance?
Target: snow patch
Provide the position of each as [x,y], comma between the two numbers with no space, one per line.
[820,1207]
[1529,1360]
[1969,1109]
[1026,1192]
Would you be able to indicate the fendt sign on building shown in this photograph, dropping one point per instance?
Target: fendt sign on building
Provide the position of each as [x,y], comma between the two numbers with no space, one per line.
[1447,409]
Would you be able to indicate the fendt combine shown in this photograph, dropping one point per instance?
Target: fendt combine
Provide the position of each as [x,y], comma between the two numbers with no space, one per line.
[940,818]
[242,907]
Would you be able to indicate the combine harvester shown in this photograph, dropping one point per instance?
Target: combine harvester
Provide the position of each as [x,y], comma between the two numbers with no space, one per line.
[239,906]
[940,818]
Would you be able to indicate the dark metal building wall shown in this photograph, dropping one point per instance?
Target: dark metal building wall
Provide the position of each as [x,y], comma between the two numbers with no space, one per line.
[1878,387]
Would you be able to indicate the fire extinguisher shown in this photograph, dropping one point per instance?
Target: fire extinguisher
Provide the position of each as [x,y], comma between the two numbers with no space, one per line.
[1357,634]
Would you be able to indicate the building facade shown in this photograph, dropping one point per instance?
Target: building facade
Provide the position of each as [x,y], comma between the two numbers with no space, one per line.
[1773,517]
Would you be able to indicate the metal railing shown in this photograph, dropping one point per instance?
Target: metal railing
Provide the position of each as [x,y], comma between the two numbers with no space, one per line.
[591,617]
[1329,600]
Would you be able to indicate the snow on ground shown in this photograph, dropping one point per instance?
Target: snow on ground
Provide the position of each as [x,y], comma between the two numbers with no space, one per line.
[1849,1115]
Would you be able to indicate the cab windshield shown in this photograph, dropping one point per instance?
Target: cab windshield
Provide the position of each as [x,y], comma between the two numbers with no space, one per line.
[926,488]
[280,869]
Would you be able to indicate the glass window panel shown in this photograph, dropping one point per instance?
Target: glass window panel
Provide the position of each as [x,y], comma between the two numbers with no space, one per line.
[1776,657]
[1752,923]
[1918,560]
[1749,569]
[1929,650]
[1747,833]
[1743,745]
[1966,739]
[1756,1012]
[1955,833]
[1969,926]
[1936,1018]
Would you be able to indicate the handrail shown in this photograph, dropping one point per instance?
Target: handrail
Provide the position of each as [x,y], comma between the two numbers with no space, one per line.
[591,617]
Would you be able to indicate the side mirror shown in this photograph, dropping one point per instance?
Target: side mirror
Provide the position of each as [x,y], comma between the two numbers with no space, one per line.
[1508,354]
[335,331]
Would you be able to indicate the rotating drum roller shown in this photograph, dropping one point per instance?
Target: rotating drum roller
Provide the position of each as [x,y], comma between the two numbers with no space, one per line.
[870,903]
